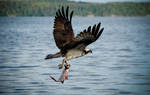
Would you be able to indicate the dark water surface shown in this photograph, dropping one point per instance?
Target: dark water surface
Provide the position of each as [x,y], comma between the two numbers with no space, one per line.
[119,65]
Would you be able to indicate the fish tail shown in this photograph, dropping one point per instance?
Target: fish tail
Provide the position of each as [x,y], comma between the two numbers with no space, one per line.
[53,78]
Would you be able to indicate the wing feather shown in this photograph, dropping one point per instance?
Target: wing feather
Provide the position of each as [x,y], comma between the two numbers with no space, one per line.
[71,16]
[63,13]
[67,10]
[63,32]
[85,38]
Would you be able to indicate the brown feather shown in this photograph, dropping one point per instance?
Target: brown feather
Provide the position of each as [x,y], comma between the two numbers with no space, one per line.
[50,56]
[85,38]
[63,32]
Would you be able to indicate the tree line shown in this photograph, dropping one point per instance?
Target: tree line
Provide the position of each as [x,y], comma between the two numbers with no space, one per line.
[49,8]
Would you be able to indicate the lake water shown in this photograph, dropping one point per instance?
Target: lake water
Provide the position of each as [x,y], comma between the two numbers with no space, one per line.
[119,64]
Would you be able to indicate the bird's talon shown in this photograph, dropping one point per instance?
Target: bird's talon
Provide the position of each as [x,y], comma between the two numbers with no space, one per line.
[60,66]
[67,64]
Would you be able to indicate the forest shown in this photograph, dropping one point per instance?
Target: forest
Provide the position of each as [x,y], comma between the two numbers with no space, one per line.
[49,7]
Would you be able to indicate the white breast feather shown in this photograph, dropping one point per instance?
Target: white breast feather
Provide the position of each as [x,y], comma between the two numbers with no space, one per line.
[73,54]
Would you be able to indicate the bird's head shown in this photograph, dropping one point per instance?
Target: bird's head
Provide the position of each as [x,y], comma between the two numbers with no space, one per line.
[87,51]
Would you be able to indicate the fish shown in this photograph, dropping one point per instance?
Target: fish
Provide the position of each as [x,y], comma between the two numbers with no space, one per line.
[64,74]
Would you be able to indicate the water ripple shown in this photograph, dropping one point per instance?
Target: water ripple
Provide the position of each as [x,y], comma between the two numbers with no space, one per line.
[119,64]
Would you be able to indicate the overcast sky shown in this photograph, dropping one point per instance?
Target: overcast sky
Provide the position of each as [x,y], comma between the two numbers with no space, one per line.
[104,1]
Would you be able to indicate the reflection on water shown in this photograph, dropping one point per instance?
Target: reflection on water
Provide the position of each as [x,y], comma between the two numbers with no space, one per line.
[120,63]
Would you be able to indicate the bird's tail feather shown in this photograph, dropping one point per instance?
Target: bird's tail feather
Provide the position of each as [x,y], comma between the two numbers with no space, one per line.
[49,56]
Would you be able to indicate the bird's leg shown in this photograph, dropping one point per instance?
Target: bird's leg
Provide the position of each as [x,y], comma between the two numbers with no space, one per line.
[66,63]
[61,65]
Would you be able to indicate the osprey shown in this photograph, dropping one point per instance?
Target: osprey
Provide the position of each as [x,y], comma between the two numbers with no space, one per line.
[69,45]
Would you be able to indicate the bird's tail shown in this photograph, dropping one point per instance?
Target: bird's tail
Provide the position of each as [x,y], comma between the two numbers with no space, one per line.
[50,56]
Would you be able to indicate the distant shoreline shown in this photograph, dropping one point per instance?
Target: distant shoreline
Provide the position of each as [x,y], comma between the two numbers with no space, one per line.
[49,8]
[78,16]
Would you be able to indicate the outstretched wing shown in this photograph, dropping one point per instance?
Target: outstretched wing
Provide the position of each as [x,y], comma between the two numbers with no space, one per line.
[85,38]
[63,32]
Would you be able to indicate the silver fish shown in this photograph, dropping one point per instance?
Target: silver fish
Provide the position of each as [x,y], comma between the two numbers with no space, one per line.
[64,75]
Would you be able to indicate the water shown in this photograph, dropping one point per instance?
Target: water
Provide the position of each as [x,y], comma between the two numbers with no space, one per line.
[119,65]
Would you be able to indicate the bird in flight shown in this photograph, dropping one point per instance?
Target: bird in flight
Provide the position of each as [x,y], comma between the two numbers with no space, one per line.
[72,46]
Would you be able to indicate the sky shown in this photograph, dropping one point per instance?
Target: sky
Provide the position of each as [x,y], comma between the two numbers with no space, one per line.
[104,1]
